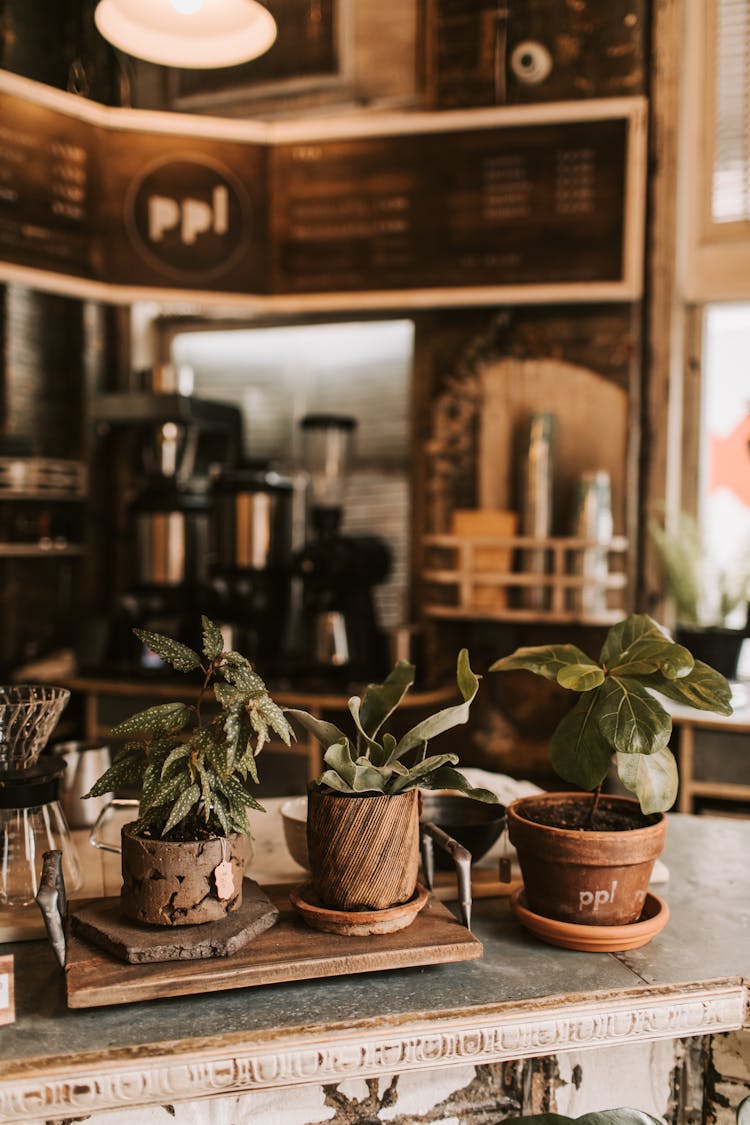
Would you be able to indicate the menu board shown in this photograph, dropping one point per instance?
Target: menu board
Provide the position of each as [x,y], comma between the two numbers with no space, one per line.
[137,204]
[48,187]
[528,205]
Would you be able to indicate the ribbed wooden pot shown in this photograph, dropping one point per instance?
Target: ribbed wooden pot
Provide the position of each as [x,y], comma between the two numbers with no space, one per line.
[176,883]
[592,878]
[363,847]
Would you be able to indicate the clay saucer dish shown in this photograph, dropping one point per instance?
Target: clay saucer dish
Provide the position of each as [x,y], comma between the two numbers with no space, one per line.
[355,923]
[593,939]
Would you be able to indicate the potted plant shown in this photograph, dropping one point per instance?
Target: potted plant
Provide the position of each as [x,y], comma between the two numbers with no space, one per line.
[707,600]
[588,859]
[363,810]
[183,858]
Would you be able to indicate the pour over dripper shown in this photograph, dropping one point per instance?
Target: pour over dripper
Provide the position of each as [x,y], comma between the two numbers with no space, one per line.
[31,820]
[28,715]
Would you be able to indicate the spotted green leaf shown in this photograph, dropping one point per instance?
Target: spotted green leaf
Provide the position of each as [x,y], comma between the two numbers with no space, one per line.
[165,718]
[179,656]
[182,807]
[213,642]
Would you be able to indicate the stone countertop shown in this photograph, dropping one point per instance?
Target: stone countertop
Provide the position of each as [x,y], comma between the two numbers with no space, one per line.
[522,999]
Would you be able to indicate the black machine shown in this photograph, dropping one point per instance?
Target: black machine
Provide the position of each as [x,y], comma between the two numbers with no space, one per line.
[335,635]
[171,440]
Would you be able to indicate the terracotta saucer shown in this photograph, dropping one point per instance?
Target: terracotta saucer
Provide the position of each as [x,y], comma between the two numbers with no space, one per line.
[593,939]
[356,923]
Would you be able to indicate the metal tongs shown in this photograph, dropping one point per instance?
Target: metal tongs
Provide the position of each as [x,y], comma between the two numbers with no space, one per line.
[52,900]
[430,835]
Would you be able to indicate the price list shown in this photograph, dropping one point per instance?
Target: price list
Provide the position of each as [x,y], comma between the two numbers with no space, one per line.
[46,163]
[523,205]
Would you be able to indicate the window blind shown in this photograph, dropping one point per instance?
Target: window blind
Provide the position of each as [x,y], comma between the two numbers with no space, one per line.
[730,188]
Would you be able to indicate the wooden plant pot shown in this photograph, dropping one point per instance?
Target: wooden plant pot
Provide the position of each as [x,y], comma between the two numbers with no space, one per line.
[590,878]
[363,847]
[180,883]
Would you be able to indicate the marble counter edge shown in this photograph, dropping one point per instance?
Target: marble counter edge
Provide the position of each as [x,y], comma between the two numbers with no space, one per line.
[158,1074]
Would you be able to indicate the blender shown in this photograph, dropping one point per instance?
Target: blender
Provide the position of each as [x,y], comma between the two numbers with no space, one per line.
[337,637]
[31,819]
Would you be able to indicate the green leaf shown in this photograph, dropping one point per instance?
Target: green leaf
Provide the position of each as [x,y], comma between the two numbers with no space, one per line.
[242,676]
[338,757]
[652,777]
[622,635]
[334,781]
[124,772]
[236,734]
[369,778]
[544,660]
[578,751]
[448,778]
[219,811]
[580,677]
[629,717]
[182,807]
[213,642]
[175,756]
[468,684]
[420,774]
[705,689]
[326,733]
[182,658]
[652,653]
[240,795]
[273,716]
[364,742]
[381,700]
[164,793]
[165,718]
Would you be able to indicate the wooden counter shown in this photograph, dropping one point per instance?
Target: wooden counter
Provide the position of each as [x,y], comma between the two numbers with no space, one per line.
[524,999]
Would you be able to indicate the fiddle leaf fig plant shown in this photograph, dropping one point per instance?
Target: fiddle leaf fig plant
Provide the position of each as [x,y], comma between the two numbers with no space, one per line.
[619,711]
[196,773]
[368,761]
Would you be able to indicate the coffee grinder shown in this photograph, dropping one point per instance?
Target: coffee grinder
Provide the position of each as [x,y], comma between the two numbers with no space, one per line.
[337,638]
[252,549]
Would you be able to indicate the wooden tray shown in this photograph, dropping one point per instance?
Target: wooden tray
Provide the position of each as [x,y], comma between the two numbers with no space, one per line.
[288,951]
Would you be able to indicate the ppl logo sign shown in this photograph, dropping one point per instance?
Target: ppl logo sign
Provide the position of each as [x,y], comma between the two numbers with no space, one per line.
[189,217]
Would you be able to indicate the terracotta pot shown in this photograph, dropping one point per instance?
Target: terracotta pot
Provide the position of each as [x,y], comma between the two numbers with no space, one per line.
[181,883]
[363,848]
[590,878]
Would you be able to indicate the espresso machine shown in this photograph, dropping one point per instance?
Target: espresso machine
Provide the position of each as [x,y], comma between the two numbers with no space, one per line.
[170,440]
[335,637]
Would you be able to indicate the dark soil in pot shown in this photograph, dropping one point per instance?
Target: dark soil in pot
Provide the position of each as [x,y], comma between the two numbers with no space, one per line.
[577,875]
[577,813]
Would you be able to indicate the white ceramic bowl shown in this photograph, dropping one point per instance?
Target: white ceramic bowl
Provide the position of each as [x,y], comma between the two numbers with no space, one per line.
[294,817]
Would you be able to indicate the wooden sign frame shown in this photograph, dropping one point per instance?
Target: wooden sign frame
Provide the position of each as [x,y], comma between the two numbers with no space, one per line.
[198,133]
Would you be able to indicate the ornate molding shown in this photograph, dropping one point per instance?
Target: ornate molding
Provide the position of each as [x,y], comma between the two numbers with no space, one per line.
[142,1078]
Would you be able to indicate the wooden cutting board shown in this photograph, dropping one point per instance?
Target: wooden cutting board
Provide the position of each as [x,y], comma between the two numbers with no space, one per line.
[288,951]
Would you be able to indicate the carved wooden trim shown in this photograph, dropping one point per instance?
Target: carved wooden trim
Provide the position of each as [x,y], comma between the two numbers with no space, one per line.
[89,1084]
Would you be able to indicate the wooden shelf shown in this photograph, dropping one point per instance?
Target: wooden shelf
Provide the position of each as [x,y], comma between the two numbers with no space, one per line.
[490,578]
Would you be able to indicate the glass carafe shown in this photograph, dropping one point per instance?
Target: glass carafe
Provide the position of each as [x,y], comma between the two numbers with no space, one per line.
[31,819]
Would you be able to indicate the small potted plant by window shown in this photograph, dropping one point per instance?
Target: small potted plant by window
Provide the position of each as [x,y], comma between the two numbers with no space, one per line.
[363,811]
[183,858]
[588,859]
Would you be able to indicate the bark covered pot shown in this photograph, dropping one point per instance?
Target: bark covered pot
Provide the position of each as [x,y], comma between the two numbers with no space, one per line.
[181,882]
[363,848]
[574,874]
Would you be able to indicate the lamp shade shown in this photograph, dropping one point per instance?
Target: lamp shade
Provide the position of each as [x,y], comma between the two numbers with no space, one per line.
[187,33]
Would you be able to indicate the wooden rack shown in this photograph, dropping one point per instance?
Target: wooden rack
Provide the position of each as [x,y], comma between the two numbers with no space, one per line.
[460,584]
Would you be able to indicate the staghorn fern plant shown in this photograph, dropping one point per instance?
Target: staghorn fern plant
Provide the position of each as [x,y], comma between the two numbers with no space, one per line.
[195,774]
[618,711]
[368,765]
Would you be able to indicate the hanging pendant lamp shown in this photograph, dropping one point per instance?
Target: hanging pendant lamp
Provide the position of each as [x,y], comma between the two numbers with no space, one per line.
[198,34]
